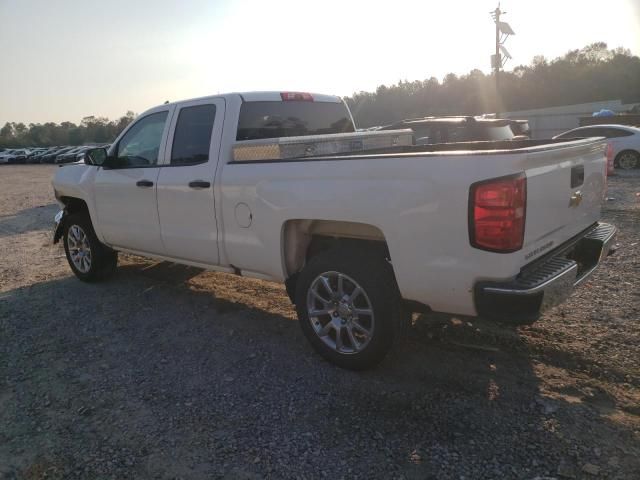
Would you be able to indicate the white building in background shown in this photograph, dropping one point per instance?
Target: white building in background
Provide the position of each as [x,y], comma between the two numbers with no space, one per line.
[547,122]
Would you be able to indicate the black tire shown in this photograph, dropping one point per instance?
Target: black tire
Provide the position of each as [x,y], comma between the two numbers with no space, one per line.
[102,260]
[630,160]
[375,276]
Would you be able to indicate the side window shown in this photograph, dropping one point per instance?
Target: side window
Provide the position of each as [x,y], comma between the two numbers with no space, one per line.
[460,134]
[141,144]
[440,134]
[594,132]
[616,132]
[421,134]
[580,133]
[192,138]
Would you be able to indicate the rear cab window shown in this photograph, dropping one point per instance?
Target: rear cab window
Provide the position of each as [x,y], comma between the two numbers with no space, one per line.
[274,119]
[496,132]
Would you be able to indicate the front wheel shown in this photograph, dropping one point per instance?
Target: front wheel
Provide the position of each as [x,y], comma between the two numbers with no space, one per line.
[89,259]
[348,306]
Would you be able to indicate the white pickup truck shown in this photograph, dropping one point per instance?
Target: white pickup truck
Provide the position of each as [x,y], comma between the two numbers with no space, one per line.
[360,236]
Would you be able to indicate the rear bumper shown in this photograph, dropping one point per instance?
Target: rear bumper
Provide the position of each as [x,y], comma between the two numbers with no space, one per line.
[547,281]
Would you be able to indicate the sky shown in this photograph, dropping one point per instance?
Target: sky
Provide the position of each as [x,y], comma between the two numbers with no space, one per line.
[63,60]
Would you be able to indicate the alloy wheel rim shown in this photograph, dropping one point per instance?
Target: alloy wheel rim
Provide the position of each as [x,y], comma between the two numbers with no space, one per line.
[340,312]
[79,249]
[628,161]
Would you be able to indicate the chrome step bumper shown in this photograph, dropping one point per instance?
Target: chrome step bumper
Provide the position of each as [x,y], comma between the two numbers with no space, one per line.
[547,281]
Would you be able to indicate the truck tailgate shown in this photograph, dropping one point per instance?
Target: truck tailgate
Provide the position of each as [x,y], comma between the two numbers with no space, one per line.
[565,189]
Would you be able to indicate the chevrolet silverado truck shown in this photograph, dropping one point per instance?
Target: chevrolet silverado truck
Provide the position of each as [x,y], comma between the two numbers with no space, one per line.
[361,227]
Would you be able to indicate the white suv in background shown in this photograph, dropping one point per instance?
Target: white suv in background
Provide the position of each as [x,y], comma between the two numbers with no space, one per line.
[624,139]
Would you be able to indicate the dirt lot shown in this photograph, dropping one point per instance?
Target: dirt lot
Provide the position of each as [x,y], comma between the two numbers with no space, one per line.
[168,372]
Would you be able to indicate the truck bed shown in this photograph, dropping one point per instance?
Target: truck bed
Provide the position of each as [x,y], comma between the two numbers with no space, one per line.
[418,198]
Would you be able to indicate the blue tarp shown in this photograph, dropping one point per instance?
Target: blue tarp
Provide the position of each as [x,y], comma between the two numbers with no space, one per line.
[603,113]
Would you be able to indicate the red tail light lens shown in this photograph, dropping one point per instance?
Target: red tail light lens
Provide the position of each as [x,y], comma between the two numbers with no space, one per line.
[497,211]
[296,96]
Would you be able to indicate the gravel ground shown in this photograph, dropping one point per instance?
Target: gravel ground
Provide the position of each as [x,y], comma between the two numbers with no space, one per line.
[170,372]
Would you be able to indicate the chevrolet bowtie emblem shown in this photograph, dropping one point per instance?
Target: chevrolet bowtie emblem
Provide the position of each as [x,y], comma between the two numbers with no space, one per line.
[575,199]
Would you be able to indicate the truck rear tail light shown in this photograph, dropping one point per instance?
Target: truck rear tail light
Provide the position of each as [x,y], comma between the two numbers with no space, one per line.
[296,96]
[497,210]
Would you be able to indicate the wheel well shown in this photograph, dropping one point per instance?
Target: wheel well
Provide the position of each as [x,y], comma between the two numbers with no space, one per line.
[303,239]
[74,205]
[321,243]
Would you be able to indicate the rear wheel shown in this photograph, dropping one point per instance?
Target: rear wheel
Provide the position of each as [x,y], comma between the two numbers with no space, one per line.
[89,259]
[628,160]
[348,306]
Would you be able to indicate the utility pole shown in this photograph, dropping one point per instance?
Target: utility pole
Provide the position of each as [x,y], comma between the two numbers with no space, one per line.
[503,30]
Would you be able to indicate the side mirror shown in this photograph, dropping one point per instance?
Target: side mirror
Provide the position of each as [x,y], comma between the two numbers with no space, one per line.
[95,156]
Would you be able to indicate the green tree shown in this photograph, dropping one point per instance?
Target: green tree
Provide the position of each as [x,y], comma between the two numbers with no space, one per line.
[590,74]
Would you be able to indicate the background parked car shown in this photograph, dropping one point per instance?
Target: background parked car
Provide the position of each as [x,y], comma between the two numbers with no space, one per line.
[624,139]
[4,156]
[430,130]
[55,154]
[79,155]
[70,155]
[16,155]
[61,157]
[51,157]
[47,151]
[34,155]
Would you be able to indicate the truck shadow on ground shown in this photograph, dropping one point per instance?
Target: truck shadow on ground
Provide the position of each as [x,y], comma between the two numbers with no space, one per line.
[190,383]
[28,220]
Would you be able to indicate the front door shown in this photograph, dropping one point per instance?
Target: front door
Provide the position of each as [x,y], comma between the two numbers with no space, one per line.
[125,192]
[185,185]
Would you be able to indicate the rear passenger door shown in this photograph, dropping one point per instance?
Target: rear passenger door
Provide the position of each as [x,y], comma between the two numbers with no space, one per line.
[185,185]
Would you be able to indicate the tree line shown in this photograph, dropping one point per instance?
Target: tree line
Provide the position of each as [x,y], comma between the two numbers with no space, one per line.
[92,129]
[589,74]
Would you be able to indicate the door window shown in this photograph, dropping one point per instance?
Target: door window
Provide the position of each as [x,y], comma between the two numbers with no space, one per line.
[140,146]
[581,133]
[595,132]
[192,137]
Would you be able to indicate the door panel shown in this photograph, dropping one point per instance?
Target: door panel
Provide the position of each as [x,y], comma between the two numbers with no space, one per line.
[127,213]
[125,193]
[186,206]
